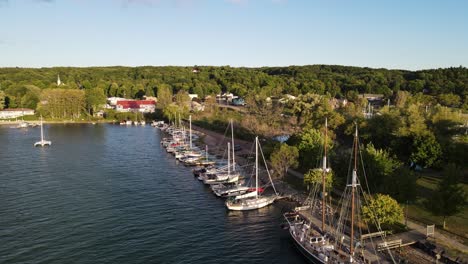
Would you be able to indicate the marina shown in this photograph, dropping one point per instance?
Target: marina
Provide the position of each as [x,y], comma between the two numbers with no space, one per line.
[112,193]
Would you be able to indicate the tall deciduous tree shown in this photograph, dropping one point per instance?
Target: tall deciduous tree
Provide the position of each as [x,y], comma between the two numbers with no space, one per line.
[284,158]
[265,109]
[2,99]
[449,99]
[379,166]
[425,149]
[314,176]
[311,146]
[171,112]
[95,97]
[62,103]
[401,98]
[382,209]
[164,95]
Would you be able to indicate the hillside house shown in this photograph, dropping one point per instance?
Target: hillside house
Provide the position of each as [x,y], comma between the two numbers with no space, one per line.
[143,106]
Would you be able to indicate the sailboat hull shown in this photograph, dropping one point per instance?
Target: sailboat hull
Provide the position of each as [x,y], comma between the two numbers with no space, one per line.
[311,258]
[250,204]
[42,143]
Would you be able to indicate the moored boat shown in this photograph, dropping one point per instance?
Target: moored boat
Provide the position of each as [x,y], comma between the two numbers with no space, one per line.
[252,200]
[42,142]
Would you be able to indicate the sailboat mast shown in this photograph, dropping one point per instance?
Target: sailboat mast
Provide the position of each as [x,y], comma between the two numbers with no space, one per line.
[206,151]
[324,169]
[190,133]
[353,187]
[256,166]
[229,159]
[42,131]
[233,155]
[180,122]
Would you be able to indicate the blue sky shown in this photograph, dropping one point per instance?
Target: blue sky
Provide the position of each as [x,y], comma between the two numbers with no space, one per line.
[410,34]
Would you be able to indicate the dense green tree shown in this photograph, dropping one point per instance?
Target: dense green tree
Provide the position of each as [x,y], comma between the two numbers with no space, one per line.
[381,209]
[172,112]
[379,166]
[304,105]
[314,176]
[183,101]
[30,100]
[401,98]
[425,149]
[283,158]
[310,145]
[95,98]
[265,109]
[381,129]
[164,95]
[2,99]
[62,103]
[449,99]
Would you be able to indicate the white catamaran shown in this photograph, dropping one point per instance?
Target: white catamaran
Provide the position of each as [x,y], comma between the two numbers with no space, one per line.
[43,142]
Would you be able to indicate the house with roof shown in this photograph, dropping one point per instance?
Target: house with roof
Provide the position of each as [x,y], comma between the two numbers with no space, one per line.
[225,98]
[143,106]
[112,101]
[15,112]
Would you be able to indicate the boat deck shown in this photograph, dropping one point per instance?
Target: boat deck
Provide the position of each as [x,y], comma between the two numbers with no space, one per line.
[371,255]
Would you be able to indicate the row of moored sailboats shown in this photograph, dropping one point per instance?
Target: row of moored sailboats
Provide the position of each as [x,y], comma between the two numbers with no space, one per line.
[225,178]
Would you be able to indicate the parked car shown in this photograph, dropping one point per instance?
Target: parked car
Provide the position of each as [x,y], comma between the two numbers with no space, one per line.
[238,102]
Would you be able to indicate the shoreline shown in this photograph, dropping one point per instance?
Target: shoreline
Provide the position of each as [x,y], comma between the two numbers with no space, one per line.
[214,140]
[3,122]
[293,196]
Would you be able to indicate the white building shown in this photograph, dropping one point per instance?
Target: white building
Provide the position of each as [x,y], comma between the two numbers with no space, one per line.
[15,113]
[197,107]
[143,106]
[225,97]
[113,100]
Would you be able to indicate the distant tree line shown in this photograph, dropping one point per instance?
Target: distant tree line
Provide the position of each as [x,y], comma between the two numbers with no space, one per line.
[21,87]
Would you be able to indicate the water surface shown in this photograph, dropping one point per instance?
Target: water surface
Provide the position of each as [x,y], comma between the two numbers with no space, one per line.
[111,194]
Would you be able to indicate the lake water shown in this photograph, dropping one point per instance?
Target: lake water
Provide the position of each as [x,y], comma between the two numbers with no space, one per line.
[111,194]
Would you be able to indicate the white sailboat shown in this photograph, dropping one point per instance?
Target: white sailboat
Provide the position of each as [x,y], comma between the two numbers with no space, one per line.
[43,142]
[223,176]
[253,200]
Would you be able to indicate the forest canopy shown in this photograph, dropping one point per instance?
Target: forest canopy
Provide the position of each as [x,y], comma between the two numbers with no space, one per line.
[22,86]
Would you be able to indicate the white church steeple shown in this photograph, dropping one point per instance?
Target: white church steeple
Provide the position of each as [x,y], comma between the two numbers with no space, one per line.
[58,80]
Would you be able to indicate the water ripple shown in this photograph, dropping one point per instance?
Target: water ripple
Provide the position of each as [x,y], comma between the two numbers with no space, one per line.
[110,194]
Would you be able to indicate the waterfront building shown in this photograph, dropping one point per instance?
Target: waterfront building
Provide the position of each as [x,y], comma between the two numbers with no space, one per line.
[143,106]
[15,112]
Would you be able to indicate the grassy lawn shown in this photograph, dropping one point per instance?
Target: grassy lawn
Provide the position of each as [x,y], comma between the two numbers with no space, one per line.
[457,224]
